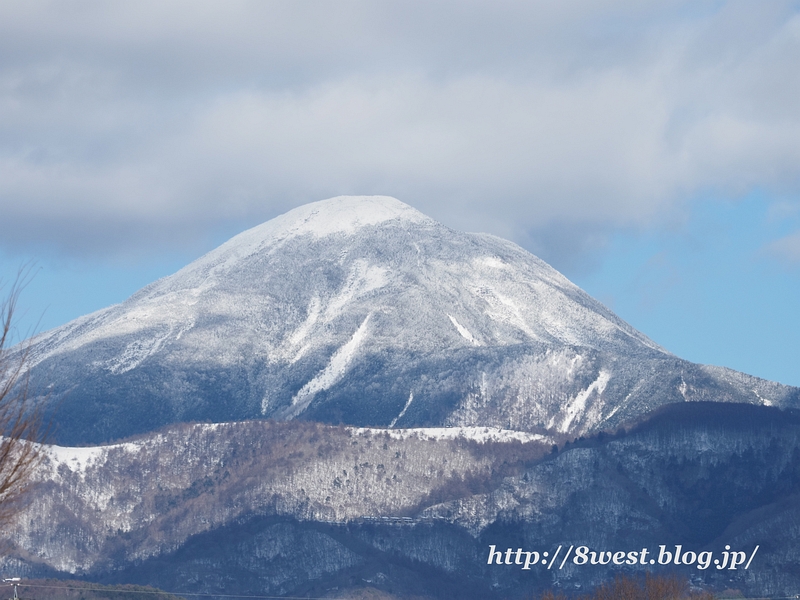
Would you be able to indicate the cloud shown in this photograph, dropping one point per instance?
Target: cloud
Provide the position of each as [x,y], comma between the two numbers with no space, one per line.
[534,121]
[786,249]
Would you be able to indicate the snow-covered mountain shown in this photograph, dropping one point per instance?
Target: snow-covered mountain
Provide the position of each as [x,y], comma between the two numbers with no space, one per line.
[266,508]
[364,311]
[454,361]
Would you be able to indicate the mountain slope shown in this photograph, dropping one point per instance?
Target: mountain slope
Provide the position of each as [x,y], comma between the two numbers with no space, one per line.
[293,508]
[362,310]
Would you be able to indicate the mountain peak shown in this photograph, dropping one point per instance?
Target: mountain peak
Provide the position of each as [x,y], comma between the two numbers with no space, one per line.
[339,215]
[346,214]
[362,310]
[342,214]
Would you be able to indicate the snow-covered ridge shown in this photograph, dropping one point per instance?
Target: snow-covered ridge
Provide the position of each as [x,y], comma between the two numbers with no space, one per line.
[343,214]
[477,434]
[339,215]
[78,459]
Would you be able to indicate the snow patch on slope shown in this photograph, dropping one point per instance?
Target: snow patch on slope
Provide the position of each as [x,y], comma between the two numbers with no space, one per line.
[465,333]
[302,332]
[78,460]
[402,412]
[137,352]
[478,434]
[362,279]
[328,376]
[577,406]
[504,310]
[294,348]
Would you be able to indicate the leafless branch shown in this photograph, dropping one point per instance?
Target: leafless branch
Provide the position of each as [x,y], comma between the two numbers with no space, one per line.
[20,422]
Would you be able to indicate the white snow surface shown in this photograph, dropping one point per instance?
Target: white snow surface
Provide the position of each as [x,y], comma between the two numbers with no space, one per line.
[488,299]
[478,434]
[576,408]
[509,305]
[465,333]
[344,215]
[402,412]
[329,375]
[78,459]
[171,303]
[314,295]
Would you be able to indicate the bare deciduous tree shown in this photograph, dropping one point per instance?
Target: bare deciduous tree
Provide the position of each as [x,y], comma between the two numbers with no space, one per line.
[627,587]
[20,422]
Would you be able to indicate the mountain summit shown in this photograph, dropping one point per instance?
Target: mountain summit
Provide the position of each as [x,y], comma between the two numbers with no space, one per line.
[362,310]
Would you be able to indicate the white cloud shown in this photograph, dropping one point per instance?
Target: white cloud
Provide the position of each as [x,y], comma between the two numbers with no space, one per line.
[512,117]
[786,249]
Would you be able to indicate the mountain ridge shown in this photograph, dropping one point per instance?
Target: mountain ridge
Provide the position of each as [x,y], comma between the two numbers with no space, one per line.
[322,402]
[364,311]
[292,505]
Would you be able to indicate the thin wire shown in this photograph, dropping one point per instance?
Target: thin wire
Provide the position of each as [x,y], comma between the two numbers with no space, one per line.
[165,593]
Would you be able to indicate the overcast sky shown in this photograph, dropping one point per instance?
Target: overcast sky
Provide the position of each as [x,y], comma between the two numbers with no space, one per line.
[650,151]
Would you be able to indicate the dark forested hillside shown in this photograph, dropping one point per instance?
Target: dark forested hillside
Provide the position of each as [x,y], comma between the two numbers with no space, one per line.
[303,508]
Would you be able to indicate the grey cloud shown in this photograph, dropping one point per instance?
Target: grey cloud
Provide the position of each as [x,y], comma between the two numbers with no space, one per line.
[526,119]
